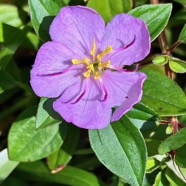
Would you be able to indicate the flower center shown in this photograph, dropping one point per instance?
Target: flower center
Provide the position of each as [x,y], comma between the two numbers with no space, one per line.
[95,66]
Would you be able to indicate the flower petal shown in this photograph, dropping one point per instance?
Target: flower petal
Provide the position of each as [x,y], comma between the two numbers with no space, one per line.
[129,38]
[125,90]
[77,27]
[88,112]
[52,73]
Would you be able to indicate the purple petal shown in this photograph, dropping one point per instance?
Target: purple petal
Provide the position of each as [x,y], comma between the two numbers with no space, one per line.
[52,73]
[129,38]
[88,112]
[77,27]
[125,90]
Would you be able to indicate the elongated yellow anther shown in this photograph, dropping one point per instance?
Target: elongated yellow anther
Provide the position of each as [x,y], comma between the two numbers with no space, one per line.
[87,73]
[105,52]
[78,61]
[92,52]
[105,64]
[97,75]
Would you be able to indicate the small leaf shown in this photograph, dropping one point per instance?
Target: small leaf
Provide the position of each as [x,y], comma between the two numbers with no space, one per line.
[46,114]
[163,95]
[173,142]
[108,9]
[25,143]
[155,16]
[6,166]
[6,81]
[160,60]
[37,171]
[177,65]
[182,36]
[42,13]
[123,151]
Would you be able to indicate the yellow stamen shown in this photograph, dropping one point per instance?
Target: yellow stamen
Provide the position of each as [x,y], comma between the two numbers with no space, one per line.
[87,73]
[78,61]
[105,64]
[106,51]
[92,52]
[97,75]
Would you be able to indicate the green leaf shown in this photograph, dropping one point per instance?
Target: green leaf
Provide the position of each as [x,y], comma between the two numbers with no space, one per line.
[6,81]
[37,171]
[152,164]
[180,156]
[182,36]
[173,179]
[11,39]
[142,116]
[6,166]
[46,114]
[173,142]
[108,9]
[155,16]
[42,13]
[177,65]
[64,154]
[11,15]
[121,148]
[163,95]
[25,143]
[180,1]
[160,180]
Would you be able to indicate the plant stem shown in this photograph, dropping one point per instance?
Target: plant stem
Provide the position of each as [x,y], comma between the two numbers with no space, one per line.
[166,50]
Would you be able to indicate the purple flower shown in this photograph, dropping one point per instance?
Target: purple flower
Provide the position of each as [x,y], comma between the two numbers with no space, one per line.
[83,66]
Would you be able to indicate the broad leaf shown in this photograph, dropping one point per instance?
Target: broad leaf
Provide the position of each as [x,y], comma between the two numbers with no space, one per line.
[42,13]
[121,148]
[173,142]
[108,9]
[6,166]
[46,114]
[25,143]
[163,95]
[37,171]
[6,81]
[155,16]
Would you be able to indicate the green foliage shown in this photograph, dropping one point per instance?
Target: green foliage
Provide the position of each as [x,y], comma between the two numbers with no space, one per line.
[23,138]
[42,13]
[6,166]
[173,142]
[163,94]
[143,148]
[108,9]
[155,16]
[116,150]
